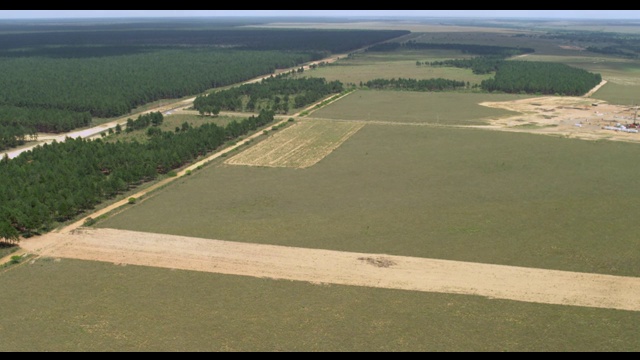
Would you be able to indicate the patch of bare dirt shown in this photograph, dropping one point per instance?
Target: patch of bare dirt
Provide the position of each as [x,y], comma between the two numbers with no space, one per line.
[572,47]
[572,117]
[344,268]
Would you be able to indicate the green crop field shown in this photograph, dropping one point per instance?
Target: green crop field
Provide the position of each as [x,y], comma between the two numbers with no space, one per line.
[619,94]
[416,107]
[379,172]
[369,66]
[457,194]
[71,306]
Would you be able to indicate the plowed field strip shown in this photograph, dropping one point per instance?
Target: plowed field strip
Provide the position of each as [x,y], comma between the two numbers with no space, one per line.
[356,269]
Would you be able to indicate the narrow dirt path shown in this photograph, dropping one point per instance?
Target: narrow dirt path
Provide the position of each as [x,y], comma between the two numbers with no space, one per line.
[345,268]
[593,91]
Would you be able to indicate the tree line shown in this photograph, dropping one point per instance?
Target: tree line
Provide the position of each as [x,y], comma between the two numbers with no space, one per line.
[486,50]
[541,78]
[19,124]
[316,40]
[608,43]
[56,182]
[144,121]
[112,86]
[278,93]
[438,84]
[514,77]
[478,65]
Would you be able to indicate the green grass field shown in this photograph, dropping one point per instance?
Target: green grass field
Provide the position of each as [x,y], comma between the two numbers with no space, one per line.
[619,94]
[416,107]
[459,194]
[73,306]
[369,66]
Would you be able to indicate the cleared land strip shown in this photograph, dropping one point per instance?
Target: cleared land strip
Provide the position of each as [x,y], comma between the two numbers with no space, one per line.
[596,88]
[344,268]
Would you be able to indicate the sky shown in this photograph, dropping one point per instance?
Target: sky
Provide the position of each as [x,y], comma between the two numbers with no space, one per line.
[556,14]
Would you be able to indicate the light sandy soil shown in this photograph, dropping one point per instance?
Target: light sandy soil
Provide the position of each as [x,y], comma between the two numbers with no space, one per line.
[593,91]
[299,146]
[344,268]
[572,117]
[571,47]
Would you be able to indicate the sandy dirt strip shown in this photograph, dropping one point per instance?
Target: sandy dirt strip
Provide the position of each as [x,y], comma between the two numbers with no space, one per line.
[344,268]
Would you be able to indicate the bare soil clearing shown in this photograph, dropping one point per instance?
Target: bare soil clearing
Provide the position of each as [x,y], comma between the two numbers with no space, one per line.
[573,117]
[299,146]
[334,267]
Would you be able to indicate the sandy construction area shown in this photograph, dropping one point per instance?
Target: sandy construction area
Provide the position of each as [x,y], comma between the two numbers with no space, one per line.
[345,268]
[573,117]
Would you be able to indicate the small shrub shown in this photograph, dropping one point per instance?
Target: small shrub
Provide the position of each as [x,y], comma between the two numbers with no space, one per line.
[291,120]
[15,259]
[188,172]
[90,221]
[132,200]
[172,173]
[265,132]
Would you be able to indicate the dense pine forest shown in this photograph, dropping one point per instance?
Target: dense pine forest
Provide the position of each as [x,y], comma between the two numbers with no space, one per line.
[56,77]
[602,42]
[54,183]
[485,50]
[56,95]
[541,78]
[316,40]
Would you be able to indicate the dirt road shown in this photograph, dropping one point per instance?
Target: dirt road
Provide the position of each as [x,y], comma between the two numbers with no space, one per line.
[344,268]
[593,91]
